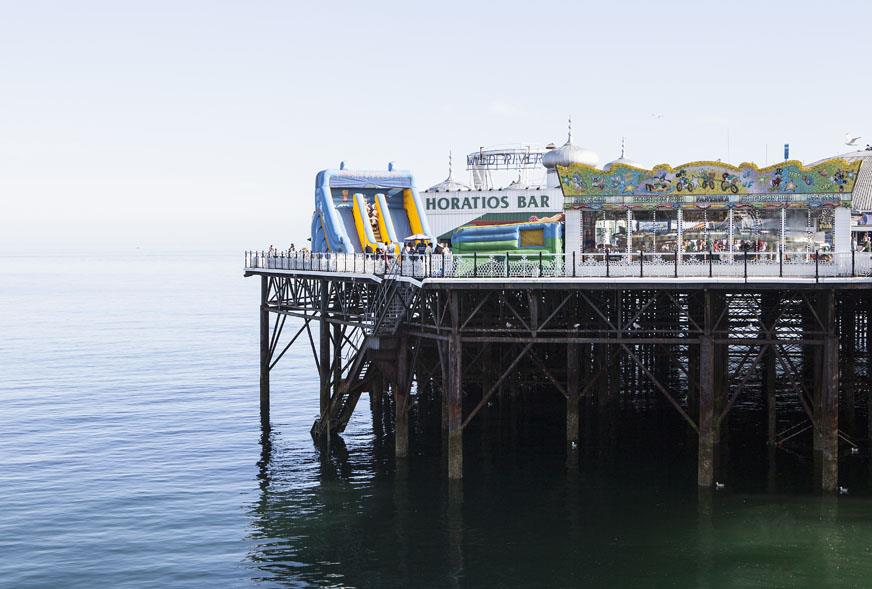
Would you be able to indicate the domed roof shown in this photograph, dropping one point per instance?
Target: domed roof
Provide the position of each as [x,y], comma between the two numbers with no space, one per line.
[568,154]
[449,184]
[622,161]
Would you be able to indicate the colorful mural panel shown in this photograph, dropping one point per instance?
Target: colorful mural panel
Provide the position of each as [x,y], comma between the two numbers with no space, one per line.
[709,184]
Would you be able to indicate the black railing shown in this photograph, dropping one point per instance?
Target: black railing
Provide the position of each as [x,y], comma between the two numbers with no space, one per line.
[745,265]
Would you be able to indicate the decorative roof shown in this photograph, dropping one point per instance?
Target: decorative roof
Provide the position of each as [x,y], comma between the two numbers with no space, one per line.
[449,184]
[861,198]
[622,161]
[569,153]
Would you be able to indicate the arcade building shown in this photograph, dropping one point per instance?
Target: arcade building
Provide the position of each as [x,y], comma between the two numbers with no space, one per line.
[623,207]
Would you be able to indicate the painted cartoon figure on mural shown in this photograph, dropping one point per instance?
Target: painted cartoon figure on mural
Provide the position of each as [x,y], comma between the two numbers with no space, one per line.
[710,178]
[730,182]
[683,181]
[577,182]
[840,179]
[777,179]
[660,183]
[707,180]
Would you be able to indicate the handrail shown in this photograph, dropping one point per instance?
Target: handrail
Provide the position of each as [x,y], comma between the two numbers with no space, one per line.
[744,265]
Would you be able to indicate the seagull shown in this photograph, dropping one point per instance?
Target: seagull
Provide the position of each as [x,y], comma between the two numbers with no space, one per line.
[851,141]
[657,115]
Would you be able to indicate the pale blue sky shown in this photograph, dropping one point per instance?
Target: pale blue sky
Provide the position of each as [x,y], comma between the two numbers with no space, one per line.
[201,125]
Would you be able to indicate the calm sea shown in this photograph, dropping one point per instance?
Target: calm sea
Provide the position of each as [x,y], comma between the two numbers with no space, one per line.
[131,456]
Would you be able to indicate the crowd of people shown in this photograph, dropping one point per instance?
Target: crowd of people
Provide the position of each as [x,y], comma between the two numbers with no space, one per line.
[418,247]
[274,251]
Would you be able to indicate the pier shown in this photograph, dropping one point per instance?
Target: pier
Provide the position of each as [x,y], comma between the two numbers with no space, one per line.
[482,337]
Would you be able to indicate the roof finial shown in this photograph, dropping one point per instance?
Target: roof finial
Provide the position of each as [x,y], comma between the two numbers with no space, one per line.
[622,147]
[450,174]
[569,137]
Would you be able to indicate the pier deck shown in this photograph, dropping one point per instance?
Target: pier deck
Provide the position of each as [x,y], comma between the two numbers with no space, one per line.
[451,333]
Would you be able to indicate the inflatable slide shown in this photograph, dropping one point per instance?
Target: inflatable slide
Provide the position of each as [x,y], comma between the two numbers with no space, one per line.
[528,238]
[356,211]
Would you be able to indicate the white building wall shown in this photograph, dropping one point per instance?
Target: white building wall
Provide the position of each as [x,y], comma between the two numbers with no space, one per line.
[842,230]
[572,232]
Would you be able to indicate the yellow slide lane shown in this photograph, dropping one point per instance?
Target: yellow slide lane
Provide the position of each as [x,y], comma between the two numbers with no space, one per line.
[412,212]
[381,215]
[361,222]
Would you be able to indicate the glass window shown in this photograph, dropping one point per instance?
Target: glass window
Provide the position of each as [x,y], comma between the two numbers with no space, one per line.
[757,230]
[610,229]
[588,231]
[822,221]
[798,234]
[655,231]
[702,229]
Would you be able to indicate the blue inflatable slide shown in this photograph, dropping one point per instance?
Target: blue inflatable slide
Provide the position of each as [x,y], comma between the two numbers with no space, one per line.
[356,210]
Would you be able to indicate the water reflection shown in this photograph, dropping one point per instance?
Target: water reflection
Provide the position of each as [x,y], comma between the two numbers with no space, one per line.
[348,515]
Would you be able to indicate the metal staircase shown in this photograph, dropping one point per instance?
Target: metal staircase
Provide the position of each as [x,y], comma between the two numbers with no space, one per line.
[383,319]
[389,307]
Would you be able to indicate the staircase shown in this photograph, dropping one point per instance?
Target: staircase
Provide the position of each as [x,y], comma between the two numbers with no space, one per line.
[388,309]
[375,343]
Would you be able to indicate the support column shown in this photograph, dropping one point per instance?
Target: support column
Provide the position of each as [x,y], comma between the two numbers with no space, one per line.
[768,314]
[455,408]
[264,353]
[455,394]
[772,415]
[572,405]
[827,397]
[443,392]
[572,391]
[376,395]
[707,429]
[401,399]
[324,360]
[336,365]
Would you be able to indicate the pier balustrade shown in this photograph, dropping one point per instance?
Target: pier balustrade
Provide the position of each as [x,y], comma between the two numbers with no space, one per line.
[700,265]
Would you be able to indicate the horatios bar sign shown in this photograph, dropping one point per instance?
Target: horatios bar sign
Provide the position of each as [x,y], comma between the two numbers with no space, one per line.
[496,202]
[710,184]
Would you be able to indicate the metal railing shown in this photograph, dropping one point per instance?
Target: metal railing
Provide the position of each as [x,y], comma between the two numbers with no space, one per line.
[709,264]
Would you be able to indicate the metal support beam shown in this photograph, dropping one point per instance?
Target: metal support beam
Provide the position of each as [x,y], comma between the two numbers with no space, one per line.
[768,317]
[264,353]
[826,398]
[401,402]
[324,359]
[455,394]
[707,427]
[572,398]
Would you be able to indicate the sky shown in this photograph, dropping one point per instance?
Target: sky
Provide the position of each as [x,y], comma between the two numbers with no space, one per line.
[192,125]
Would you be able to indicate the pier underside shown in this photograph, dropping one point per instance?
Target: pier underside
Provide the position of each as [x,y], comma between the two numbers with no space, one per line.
[474,355]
